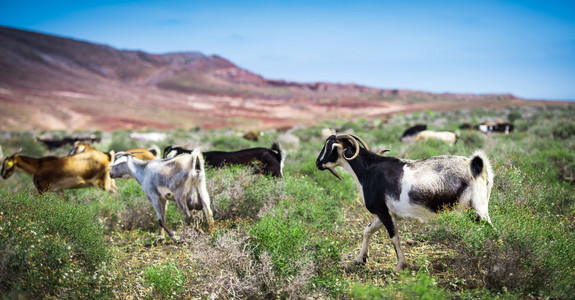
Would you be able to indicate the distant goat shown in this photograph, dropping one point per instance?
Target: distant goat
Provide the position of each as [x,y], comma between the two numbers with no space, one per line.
[447,136]
[148,136]
[410,133]
[266,160]
[496,127]
[252,135]
[394,188]
[57,143]
[181,179]
[55,173]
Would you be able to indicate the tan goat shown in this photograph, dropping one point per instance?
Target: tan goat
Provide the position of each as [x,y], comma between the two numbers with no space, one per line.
[56,173]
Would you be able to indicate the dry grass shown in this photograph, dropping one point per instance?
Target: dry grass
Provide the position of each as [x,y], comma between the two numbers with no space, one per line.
[215,267]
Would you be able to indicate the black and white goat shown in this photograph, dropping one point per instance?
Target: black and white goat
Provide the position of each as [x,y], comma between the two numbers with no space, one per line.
[181,179]
[265,160]
[394,188]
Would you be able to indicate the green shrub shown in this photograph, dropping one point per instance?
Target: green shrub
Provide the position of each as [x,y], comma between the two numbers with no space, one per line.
[471,139]
[514,116]
[26,142]
[50,248]
[237,193]
[167,280]
[230,143]
[541,130]
[409,286]
[285,240]
[564,130]
[296,234]
[317,207]
[121,141]
[425,149]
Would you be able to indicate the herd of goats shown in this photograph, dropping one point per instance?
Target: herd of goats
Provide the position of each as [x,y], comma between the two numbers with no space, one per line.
[392,188]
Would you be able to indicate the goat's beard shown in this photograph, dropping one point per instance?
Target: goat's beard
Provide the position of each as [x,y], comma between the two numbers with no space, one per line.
[335,173]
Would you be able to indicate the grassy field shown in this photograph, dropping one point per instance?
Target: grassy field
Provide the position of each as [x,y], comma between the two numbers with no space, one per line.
[295,237]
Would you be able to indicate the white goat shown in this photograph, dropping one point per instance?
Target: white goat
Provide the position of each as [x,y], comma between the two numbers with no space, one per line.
[447,136]
[181,179]
[394,188]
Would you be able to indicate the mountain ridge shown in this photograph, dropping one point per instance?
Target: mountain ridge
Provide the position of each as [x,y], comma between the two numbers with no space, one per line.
[51,82]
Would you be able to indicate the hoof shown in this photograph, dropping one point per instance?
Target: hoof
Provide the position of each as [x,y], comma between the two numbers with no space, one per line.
[356,262]
[353,266]
[158,241]
[400,267]
[176,239]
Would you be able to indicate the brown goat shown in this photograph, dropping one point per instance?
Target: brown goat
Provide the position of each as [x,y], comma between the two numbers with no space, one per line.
[56,173]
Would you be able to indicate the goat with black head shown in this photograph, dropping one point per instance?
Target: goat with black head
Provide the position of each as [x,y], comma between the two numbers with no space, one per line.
[394,189]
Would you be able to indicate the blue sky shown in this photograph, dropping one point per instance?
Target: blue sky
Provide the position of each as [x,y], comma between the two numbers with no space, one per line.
[526,48]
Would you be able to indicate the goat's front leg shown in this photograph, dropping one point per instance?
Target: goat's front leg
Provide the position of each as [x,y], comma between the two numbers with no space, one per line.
[160,205]
[373,227]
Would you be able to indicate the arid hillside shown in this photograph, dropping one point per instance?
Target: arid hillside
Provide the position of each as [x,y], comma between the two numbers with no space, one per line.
[50,82]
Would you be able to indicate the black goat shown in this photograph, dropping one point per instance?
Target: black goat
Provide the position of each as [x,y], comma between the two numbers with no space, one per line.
[265,160]
[410,133]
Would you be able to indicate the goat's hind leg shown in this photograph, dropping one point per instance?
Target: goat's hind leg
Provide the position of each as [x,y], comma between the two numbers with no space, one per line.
[373,227]
[389,223]
[401,264]
[202,193]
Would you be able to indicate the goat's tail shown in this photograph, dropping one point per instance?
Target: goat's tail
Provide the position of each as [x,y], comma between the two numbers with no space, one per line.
[195,173]
[481,168]
[281,153]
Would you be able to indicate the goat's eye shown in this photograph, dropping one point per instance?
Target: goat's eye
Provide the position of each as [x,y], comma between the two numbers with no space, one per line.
[171,154]
[10,163]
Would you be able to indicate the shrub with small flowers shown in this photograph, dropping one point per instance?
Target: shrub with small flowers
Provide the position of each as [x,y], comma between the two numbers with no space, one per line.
[49,247]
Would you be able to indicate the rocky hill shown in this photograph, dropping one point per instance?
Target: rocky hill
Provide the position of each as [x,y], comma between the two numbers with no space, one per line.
[50,82]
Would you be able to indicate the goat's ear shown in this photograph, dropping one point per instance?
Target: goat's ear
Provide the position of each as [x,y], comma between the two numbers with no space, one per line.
[348,151]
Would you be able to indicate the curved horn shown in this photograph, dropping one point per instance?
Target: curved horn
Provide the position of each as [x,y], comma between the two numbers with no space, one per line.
[355,144]
[361,141]
[382,152]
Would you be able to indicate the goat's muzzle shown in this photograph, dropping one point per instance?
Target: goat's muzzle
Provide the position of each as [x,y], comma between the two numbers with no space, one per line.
[332,170]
